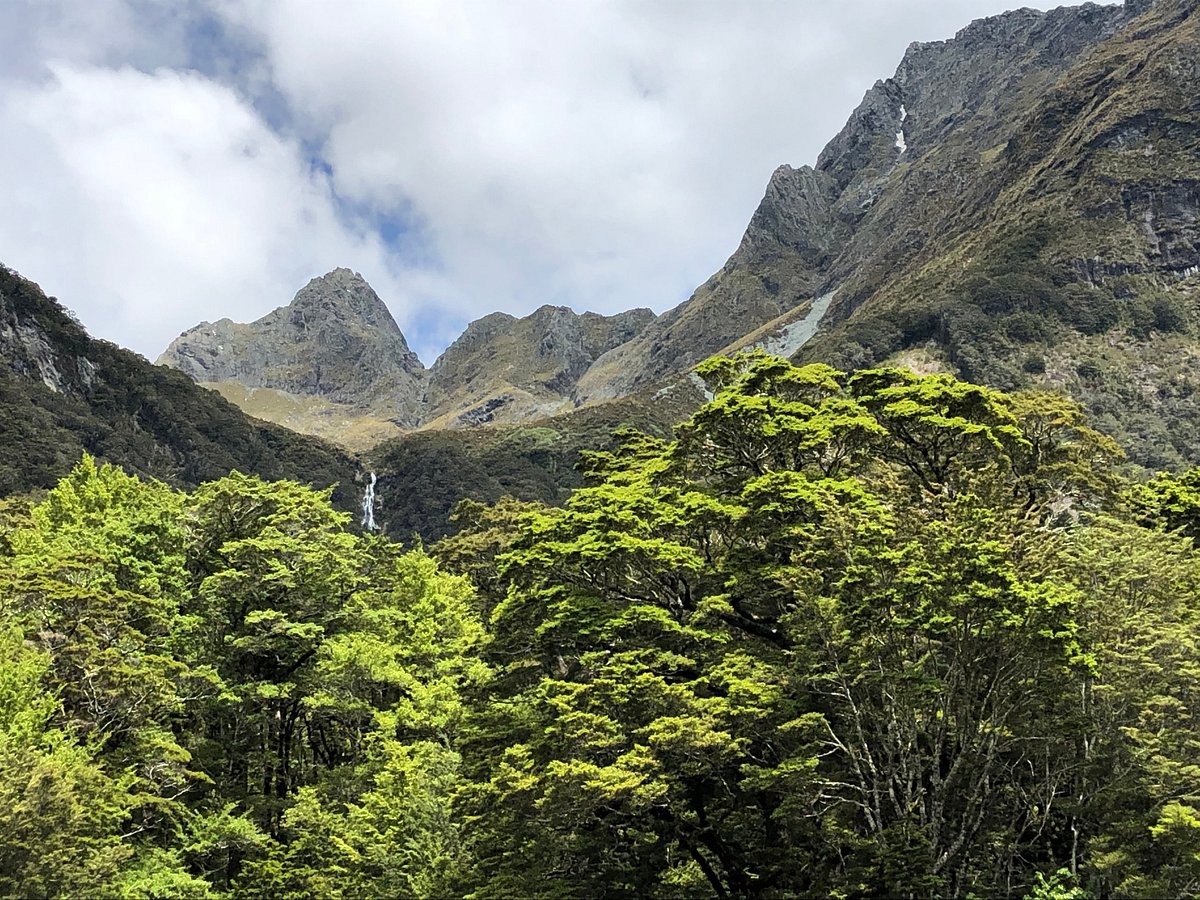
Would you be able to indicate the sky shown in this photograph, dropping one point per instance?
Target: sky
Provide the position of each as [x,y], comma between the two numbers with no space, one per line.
[169,163]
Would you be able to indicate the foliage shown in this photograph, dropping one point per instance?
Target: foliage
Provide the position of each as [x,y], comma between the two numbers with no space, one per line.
[197,688]
[839,635]
[61,813]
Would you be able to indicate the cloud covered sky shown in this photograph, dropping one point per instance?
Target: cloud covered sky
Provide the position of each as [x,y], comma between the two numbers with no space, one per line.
[164,164]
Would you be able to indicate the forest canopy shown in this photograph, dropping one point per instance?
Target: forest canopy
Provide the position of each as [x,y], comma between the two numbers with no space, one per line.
[842,635]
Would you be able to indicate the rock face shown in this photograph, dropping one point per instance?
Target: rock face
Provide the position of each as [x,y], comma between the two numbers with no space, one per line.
[956,103]
[878,191]
[29,352]
[507,369]
[335,342]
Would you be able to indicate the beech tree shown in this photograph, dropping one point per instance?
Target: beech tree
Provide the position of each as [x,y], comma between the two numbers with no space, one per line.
[804,647]
[844,635]
[62,815]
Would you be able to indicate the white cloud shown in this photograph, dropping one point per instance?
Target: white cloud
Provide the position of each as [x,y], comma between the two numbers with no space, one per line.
[148,202]
[600,154]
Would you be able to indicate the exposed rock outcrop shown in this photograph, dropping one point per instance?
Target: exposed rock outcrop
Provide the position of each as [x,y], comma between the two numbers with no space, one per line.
[881,189]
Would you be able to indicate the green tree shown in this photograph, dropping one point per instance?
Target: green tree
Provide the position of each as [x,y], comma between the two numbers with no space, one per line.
[61,812]
[1132,826]
[273,569]
[811,646]
[96,577]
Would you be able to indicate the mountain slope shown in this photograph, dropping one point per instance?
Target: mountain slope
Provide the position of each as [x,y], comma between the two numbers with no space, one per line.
[1068,255]
[505,369]
[63,392]
[423,475]
[334,363]
[877,193]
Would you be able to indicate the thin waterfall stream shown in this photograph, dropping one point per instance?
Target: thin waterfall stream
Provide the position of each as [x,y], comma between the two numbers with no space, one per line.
[368,505]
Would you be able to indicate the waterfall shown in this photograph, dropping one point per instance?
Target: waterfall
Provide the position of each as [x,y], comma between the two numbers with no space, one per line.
[368,505]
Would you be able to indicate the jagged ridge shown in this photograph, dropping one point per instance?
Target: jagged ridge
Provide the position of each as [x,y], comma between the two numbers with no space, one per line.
[334,362]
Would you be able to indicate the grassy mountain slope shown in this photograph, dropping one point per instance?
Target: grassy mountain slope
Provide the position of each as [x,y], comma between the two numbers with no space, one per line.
[505,369]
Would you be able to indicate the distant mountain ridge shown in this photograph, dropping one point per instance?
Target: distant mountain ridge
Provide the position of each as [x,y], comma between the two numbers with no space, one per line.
[867,204]
[333,362]
[504,368]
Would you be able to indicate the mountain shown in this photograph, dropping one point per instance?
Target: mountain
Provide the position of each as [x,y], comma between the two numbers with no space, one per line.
[876,193]
[63,393]
[333,361]
[1046,234]
[1016,205]
[507,369]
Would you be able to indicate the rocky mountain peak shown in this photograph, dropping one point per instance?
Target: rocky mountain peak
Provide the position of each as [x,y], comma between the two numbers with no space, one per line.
[992,63]
[336,341]
[505,368]
[342,296]
[866,142]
